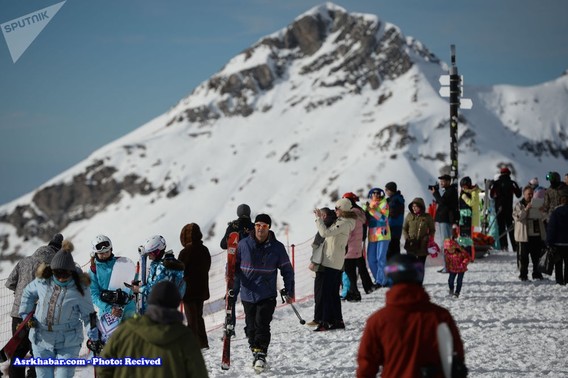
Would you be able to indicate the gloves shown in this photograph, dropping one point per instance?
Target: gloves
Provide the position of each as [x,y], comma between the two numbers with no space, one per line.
[286,297]
[94,334]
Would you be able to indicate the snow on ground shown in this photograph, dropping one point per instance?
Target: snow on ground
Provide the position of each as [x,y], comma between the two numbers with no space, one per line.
[510,328]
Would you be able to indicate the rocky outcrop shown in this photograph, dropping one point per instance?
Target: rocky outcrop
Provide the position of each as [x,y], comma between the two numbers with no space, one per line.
[363,53]
[54,207]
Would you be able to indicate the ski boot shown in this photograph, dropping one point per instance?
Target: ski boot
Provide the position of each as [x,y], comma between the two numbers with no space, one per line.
[259,362]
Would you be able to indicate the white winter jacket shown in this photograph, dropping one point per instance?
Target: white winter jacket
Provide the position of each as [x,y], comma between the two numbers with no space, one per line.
[336,237]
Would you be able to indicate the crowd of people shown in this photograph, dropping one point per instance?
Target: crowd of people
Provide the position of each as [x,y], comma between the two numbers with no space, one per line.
[353,240]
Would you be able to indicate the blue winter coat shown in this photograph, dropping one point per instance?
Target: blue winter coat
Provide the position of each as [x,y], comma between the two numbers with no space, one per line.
[257,266]
[167,269]
[557,224]
[100,279]
[396,210]
[67,317]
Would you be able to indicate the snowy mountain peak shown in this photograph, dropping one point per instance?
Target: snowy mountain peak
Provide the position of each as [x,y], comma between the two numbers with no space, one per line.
[326,46]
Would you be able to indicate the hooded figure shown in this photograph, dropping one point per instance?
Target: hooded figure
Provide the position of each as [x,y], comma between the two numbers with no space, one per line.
[197,260]
[400,339]
[159,333]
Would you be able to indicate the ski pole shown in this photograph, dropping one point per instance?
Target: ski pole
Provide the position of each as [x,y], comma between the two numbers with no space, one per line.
[285,298]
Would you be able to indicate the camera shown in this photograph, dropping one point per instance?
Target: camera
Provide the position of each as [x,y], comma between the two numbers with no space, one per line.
[436,186]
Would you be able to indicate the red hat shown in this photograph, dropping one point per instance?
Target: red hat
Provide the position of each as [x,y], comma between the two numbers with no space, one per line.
[505,171]
[351,195]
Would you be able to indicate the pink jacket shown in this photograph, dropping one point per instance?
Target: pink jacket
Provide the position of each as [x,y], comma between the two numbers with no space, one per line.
[456,257]
[355,242]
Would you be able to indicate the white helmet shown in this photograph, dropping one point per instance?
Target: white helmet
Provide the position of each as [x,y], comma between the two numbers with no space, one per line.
[101,244]
[155,244]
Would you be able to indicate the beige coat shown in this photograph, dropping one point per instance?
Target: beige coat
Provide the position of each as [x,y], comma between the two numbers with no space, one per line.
[336,237]
[520,216]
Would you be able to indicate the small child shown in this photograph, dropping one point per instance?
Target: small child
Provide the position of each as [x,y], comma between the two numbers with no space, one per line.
[456,263]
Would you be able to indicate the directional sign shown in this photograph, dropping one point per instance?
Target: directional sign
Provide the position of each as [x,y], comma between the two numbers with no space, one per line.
[445,91]
[445,79]
[466,103]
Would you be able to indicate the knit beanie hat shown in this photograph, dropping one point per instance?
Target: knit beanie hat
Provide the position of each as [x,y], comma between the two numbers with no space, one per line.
[243,210]
[63,260]
[165,294]
[343,204]
[391,186]
[264,218]
[56,241]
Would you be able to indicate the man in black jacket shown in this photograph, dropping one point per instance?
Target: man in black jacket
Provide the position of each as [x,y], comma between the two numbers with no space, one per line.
[244,227]
[447,212]
[502,191]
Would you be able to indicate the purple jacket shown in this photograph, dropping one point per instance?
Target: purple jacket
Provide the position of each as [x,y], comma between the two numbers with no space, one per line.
[257,267]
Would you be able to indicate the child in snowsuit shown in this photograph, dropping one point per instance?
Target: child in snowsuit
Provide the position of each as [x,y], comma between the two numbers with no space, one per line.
[456,263]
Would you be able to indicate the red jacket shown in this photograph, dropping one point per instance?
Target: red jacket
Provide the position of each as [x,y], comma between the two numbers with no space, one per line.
[401,337]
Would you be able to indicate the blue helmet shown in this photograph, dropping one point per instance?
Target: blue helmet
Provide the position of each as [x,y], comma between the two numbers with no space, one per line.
[376,190]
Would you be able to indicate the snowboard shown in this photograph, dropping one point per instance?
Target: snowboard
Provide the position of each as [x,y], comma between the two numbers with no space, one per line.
[445,348]
[232,243]
[8,351]
[123,271]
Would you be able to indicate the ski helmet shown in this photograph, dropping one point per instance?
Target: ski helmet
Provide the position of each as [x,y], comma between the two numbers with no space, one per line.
[101,244]
[379,191]
[465,181]
[155,246]
[553,176]
[404,268]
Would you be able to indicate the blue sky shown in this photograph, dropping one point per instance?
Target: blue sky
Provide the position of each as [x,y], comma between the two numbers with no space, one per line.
[102,68]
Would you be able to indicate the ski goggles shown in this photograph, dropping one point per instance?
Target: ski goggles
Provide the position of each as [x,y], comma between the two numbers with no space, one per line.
[61,273]
[102,247]
[262,226]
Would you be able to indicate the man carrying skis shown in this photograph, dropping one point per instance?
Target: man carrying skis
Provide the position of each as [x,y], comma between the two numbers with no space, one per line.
[259,256]
[244,227]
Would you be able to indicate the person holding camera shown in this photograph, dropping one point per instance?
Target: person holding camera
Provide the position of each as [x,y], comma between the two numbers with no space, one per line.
[447,213]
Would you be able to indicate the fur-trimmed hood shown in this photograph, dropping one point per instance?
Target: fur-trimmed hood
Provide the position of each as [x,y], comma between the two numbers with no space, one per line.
[44,272]
[190,233]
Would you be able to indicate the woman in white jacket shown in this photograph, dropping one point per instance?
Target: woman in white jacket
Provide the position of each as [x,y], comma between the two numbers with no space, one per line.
[335,244]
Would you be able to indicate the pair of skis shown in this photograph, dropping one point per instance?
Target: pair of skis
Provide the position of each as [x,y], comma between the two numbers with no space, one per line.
[232,243]
[10,348]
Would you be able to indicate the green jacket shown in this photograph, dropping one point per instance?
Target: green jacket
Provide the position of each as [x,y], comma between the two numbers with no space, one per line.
[139,337]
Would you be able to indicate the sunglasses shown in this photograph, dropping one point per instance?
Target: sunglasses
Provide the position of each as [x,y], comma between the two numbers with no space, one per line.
[102,247]
[61,273]
[262,226]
